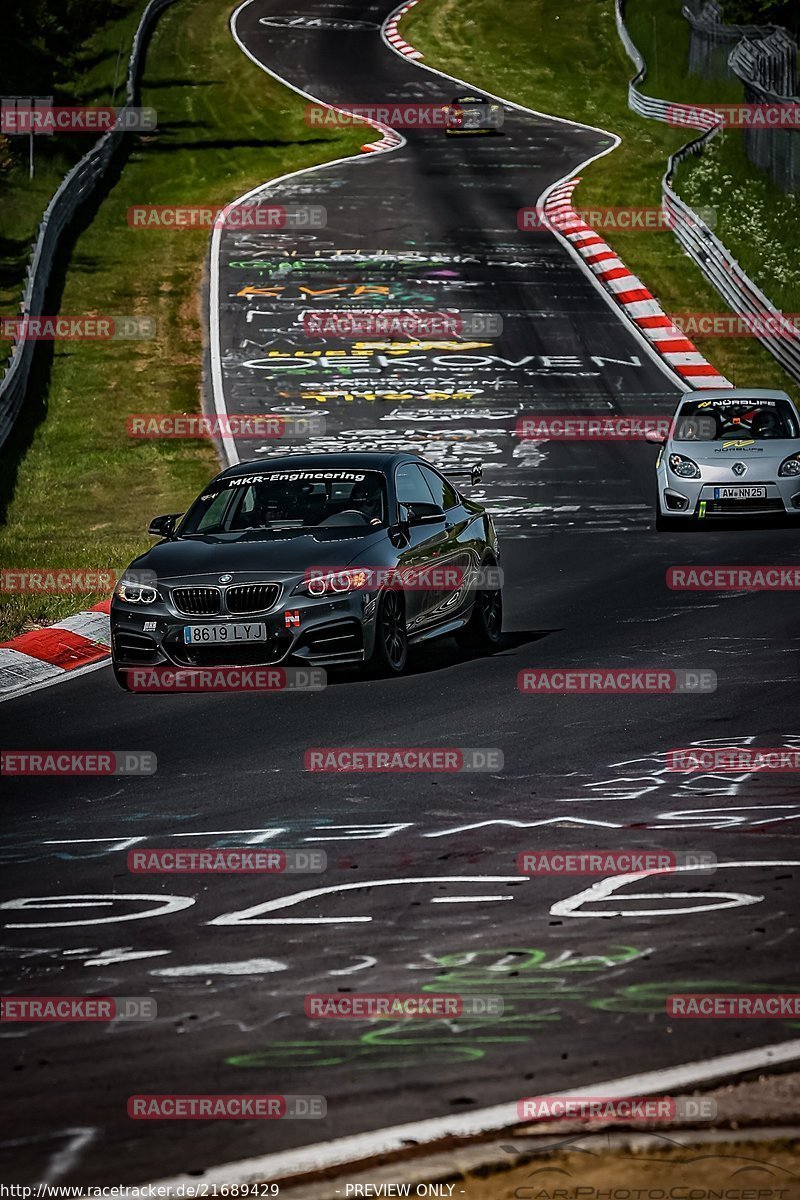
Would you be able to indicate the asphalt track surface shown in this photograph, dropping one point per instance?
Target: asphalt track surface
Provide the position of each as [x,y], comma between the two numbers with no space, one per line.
[585,586]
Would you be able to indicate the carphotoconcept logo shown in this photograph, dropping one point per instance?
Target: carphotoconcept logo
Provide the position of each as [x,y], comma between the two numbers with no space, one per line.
[402,759]
[624,681]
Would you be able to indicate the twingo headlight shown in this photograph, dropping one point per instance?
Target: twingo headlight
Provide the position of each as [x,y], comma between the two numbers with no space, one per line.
[684,468]
[133,591]
[336,583]
[790,466]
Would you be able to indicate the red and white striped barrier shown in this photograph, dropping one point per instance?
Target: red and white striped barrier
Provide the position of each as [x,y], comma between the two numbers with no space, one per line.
[393,36]
[636,301]
[46,655]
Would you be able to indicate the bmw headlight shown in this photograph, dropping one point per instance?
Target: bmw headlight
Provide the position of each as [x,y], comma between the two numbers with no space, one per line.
[132,591]
[332,583]
[684,468]
[790,466]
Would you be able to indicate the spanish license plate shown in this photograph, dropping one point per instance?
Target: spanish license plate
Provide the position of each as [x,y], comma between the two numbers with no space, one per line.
[739,492]
[215,634]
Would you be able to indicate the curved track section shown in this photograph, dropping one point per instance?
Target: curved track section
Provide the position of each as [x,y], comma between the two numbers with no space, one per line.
[421,890]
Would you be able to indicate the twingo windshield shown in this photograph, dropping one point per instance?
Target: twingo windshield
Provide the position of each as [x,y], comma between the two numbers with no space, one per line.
[718,420]
[281,501]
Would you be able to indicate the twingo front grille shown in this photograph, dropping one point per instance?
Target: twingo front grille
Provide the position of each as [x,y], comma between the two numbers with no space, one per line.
[197,601]
[252,597]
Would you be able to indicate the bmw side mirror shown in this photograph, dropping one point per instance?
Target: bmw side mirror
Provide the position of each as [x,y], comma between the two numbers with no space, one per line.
[425,514]
[164,526]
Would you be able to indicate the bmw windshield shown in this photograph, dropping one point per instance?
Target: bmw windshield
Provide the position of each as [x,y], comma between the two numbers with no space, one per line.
[286,501]
[718,420]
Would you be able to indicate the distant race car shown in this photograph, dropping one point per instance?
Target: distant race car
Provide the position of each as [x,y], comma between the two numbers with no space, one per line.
[732,452]
[472,115]
[323,559]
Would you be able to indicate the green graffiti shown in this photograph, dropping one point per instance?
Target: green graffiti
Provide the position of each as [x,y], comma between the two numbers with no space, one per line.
[520,976]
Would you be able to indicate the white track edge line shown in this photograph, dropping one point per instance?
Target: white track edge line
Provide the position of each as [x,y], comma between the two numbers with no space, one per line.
[359,1147]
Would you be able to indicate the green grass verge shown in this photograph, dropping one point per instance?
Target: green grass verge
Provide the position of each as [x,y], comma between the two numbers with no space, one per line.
[81,491]
[97,79]
[527,50]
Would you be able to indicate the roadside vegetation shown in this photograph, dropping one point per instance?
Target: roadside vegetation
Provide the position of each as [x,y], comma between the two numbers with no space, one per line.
[527,50]
[75,490]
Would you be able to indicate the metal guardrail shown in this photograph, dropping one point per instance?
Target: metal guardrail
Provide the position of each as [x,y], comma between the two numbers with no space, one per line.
[715,261]
[712,39]
[72,191]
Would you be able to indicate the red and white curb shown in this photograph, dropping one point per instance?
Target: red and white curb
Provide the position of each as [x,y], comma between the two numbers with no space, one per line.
[636,301]
[390,141]
[393,35]
[48,655]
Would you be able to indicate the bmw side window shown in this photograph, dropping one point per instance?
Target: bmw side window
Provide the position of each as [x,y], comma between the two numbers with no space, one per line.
[411,486]
[443,494]
[212,517]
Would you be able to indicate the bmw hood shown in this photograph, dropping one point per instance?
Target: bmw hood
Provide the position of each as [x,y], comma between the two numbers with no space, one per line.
[248,557]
